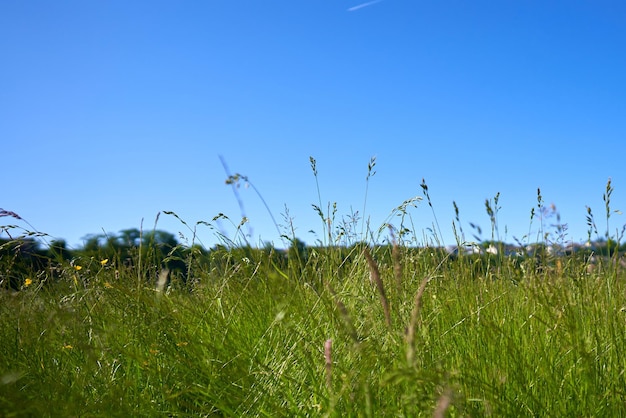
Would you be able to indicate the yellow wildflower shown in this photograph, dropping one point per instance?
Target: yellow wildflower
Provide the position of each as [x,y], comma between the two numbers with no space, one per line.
[108,285]
[78,267]
[28,282]
[103,262]
[67,347]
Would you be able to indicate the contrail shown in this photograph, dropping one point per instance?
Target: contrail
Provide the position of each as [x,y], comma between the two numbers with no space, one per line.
[362,5]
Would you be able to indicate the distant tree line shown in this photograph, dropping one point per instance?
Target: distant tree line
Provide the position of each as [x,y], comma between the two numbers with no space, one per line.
[146,254]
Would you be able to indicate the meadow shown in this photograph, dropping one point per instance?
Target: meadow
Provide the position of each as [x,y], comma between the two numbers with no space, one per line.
[344,328]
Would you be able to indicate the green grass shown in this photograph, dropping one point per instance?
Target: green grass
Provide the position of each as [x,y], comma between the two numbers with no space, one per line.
[334,332]
[252,344]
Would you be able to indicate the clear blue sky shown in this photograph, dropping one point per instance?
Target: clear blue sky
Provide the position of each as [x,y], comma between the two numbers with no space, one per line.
[114,111]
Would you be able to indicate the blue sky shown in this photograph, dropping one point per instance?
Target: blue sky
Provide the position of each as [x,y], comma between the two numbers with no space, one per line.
[115,111]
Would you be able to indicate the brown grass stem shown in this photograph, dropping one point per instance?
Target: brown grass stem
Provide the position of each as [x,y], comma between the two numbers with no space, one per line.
[375,277]
[444,402]
[415,321]
[328,362]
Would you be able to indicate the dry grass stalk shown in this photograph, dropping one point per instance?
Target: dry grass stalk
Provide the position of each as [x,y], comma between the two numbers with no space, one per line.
[375,277]
[328,348]
[444,402]
[415,322]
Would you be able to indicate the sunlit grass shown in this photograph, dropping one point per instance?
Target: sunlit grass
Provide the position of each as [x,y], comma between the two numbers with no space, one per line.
[334,330]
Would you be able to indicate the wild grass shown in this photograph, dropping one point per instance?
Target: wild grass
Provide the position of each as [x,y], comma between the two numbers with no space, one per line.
[359,330]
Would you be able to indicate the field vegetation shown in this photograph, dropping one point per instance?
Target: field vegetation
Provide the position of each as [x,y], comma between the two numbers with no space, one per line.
[139,324]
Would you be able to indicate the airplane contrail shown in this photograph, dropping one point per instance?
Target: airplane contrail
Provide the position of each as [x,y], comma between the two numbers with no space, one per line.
[362,5]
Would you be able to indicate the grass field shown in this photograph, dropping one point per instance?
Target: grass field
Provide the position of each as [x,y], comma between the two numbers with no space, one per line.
[357,330]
